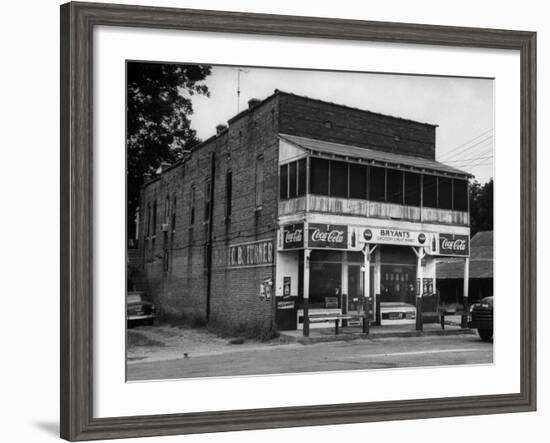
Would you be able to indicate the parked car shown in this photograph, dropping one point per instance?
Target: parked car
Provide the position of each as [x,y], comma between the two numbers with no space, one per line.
[139,310]
[482,318]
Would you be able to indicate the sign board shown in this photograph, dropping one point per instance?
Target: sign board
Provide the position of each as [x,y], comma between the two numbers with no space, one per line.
[327,236]
[251,254]
[428,286]
[393,236]
[285,305]
[454,244]
[286,287]
[293,236]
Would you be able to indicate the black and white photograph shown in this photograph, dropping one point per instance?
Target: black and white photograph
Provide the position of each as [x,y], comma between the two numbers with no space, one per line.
[290,221]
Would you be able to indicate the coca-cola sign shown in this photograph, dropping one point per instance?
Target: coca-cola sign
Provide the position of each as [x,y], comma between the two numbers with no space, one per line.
[293,236]
[327,236]
[454,244]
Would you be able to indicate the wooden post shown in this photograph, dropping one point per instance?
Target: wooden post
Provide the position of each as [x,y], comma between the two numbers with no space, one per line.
[465,293]
[420,254]
[306,293]
[367,251]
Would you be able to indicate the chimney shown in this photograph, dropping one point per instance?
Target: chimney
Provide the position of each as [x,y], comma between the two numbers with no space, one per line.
[220,128]
[253,102]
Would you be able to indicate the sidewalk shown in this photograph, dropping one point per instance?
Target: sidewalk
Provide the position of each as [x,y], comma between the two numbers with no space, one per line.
[318,335]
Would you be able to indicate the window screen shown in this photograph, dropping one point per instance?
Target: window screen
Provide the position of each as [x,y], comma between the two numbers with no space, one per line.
[445,193]
[302,178]
[228,193]
[292,180]
[283,182]
[412,189]
[460,195]
[319,176]
[357,181]
[395,186]
[377,184]
[429,191]
[338,179]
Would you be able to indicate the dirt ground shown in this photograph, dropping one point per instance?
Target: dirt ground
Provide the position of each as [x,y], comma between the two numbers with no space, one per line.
[171,341]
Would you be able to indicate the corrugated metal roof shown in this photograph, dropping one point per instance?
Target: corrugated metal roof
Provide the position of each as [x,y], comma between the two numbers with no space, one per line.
[325,147]
[481,259]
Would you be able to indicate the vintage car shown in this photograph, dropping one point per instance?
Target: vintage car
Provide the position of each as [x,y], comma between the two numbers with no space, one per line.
[139,310]
[482,318]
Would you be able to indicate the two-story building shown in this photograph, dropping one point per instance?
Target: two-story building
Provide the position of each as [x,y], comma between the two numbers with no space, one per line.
[299,204]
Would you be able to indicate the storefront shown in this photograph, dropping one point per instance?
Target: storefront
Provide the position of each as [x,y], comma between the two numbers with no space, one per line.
[325,268]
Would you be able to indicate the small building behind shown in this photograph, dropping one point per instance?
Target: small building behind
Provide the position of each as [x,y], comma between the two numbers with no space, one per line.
[450,272]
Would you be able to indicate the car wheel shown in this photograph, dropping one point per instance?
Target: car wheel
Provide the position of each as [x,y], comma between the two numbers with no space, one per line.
[485,334]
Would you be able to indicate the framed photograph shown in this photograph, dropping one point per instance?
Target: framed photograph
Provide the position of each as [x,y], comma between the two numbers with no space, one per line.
[272,221]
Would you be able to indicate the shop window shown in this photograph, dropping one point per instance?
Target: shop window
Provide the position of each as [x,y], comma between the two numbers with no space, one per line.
[445,193]
[148,229]
[173,223]
[338,179]
[302,178]
[319,176]
[154,217]
[377,184]
[412,189]
[207,196]
[460,195]
[292,180]
[192,206]
[357,181]
[395,186]
[228,193]
[283,182]
[429,191]
[259,181]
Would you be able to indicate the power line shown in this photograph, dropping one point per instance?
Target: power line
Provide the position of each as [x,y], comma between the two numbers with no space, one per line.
[464,150]
[472,139]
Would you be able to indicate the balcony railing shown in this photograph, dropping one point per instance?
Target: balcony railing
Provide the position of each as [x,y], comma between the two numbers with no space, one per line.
[367,208]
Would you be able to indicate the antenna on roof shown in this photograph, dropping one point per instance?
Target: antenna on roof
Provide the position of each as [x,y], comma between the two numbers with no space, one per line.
[245,71]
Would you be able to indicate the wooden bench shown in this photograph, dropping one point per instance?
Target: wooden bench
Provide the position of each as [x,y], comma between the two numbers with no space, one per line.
[336,318]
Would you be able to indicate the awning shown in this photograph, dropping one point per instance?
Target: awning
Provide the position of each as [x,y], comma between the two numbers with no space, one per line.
[379,157]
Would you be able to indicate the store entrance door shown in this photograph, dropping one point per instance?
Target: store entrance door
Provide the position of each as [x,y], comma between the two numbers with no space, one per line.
[355,286]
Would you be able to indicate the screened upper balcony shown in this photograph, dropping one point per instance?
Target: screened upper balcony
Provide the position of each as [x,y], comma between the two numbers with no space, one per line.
[339,181]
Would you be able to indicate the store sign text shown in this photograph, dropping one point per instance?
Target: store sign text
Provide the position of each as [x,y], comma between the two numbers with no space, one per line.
[454,244]
[259,253]
[293,236]
[328,236]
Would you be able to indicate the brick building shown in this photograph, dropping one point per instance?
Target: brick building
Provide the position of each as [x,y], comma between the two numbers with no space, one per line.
[302,203]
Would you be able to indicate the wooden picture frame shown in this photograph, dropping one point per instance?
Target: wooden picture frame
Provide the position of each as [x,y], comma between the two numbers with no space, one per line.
[77,23]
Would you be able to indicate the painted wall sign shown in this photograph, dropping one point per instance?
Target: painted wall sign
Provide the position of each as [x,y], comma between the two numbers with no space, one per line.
[454,244]
[327,236]
[258,253]
[293,236]
[391,236]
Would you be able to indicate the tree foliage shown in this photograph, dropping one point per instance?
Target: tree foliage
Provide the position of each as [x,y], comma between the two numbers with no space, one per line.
[481,207]
[158,126]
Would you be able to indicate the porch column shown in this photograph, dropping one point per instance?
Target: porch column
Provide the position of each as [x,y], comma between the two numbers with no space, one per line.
[305,328]
[465,293]
[344,287]
[420,254]
[367,251]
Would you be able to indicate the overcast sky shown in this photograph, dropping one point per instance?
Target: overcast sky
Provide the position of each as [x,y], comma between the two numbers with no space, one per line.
[463,108]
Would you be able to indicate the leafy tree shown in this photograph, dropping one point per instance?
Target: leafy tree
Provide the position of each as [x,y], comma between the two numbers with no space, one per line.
[481,207]
[158,126]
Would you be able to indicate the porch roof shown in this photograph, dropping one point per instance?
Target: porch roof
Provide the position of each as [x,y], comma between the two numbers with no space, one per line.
[382,158]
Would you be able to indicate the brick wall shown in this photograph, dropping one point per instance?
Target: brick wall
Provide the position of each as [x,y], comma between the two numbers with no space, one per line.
[181,290]
[340,124]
